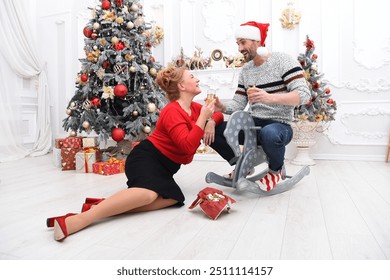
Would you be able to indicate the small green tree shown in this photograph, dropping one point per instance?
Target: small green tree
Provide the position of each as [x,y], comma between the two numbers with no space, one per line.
[320,107]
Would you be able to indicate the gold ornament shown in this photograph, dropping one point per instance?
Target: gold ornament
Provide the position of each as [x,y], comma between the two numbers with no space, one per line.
[73,105]
[135,113]
[130,25]
[129,57]
[96,26]
[132,69]
[134,8]
[145,68]
[153,71]
[68,112]
[73,133]
[114,40]
[290,17]
[151,107]
[86,124]
[119,20]
[103,41]
[147,129]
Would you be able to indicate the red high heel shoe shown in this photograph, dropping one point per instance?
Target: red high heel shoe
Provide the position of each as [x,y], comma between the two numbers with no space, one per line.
[60,231]
[50,221]
[89,202]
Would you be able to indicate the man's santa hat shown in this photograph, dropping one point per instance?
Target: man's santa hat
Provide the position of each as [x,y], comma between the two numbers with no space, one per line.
[254,31]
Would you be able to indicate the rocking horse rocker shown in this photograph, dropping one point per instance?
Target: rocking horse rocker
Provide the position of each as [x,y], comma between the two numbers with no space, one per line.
[250,156]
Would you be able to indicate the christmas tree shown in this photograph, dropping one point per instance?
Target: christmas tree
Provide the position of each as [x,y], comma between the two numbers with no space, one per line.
[116,94]
[320,107]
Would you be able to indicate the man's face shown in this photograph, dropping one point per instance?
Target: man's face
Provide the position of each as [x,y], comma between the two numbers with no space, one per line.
[247,48]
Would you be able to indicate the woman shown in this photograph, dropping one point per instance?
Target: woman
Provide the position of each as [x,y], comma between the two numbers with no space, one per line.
[178,133]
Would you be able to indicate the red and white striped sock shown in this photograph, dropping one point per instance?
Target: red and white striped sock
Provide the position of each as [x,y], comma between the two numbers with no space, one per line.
[269,181]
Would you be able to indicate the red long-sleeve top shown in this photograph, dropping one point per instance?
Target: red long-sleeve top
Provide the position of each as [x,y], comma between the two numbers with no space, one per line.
[176,135]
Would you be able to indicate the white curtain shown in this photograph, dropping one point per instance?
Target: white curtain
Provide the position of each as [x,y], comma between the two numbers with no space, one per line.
[19,50]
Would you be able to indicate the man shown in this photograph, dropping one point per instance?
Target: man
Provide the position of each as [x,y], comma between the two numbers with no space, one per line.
[273,84]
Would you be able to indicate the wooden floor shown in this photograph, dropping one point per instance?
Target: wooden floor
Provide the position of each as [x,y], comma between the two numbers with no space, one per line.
[340,211]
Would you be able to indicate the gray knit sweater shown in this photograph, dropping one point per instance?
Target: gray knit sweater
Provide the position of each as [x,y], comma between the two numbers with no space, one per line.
[279,74]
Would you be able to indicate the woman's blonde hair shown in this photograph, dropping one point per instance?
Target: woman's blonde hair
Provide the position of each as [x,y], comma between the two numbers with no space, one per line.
[168,79]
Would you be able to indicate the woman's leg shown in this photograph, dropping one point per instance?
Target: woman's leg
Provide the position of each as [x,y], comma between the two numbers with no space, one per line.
[121,202]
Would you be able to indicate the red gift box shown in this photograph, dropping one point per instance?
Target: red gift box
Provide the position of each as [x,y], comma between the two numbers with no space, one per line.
[68,158]
[110,167]
[212,202]
[58,142]
[72,142]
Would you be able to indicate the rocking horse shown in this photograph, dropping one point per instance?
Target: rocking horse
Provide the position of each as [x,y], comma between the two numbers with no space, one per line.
[250,156]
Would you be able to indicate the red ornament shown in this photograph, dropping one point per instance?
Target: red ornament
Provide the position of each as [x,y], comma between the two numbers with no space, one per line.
[120,90]
[94,35]
[315,56]
[152,59]
[106,64]
[106,4]
[96,102]
[327,90]
[315,85]
[84,78]
[119,2]
[330,101]
[118,134]
[87,32]
[119,46]
[308,103]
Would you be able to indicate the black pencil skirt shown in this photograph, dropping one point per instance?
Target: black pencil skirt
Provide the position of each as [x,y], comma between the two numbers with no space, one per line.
[146,167]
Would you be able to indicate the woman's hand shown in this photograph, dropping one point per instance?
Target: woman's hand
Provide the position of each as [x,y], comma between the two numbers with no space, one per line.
[208,110]
[209,132]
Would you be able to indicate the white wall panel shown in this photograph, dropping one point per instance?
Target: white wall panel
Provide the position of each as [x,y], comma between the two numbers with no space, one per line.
[352,39]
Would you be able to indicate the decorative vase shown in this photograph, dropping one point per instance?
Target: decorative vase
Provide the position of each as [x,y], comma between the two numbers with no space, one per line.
[304,139]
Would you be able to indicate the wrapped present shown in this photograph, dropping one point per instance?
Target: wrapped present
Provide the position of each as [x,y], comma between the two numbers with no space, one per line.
[110,167]
[90,142]
[68,158]
[212,202]
[58,142]
[85,158]
[56,157]
[72,142]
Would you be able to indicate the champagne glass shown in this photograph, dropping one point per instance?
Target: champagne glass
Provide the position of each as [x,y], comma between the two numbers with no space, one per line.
[251,89]
[210,96]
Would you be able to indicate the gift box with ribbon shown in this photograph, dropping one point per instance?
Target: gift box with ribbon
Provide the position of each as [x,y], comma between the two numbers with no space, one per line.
[212,202]
[85,159]
[72,142]
[90,142]
[68,158]
[58,143]
[109,167]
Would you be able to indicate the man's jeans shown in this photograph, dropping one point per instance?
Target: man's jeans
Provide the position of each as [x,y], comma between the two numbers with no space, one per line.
[273,137]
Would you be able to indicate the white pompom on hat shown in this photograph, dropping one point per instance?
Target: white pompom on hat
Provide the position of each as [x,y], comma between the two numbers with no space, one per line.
[254,31]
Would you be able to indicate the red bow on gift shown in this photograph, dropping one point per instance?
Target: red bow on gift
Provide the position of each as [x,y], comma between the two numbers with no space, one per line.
[212,202]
